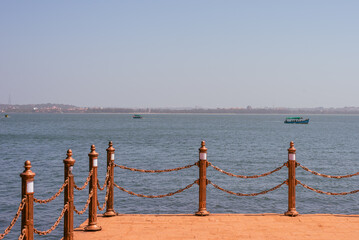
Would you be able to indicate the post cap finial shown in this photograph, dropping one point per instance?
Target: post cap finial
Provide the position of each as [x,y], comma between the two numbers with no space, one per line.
[69,153]
[291,149]
[69,160]
[93,153]
[27,173]
[110,147]
[203,147]
[27,165]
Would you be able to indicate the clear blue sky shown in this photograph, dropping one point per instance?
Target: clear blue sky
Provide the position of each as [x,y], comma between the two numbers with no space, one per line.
[180,53]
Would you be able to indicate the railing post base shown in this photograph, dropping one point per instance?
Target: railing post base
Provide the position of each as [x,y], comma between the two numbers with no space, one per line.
[109,214]
[202,213]
[92,228]
[291,213]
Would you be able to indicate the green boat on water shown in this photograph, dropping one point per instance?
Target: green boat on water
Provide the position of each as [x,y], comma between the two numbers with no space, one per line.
[137,116]
[298,120]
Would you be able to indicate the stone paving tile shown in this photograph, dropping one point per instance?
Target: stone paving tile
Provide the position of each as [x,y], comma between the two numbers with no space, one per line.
[225,226]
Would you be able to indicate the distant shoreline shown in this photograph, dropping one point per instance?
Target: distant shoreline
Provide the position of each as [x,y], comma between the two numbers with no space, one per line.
[61,108]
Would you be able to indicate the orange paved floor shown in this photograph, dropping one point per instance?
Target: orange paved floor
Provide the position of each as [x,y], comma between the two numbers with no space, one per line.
[225,226]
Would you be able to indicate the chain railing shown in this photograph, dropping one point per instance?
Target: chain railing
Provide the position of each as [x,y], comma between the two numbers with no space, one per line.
[28,200]
[156,196]
[22,235]
[327,193]
[54,196]
[244,176]
[13,221]
[150,171]
[86,205]
[106,183]
[154,171]
[53,227]
[86,182]
[325,175]
[104,204]
[92,203]
[248,194]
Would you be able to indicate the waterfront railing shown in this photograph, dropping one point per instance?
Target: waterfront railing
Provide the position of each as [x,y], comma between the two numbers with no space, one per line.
[26,204]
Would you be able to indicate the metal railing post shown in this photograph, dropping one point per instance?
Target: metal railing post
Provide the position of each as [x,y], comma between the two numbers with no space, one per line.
[92,220]
[202,164]
[110,164]
[69,197]
[291,182]
[27,191]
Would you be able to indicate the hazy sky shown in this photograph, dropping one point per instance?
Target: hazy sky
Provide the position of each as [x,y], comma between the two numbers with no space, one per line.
[180,53]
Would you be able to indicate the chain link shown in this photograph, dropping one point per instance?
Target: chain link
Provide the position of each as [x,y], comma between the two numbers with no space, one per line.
[243,176]
[249,194]
[8,229]
[22,235]
[86,205]
[156,196]
[86,182]
[56,223]
[55,196]
[106,180]
[154,171]
[327,193]
[325,175]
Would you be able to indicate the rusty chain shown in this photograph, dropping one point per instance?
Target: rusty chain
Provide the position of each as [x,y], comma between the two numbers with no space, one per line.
[249,194]
[99,186]
[8,229]
[325,175]
[322,192]
[243,176]
[156,196]
[22,235]
[106,180]
[55,196]
[86,205]
[154,171]
[86,182]
[107,190]
[106,198]
[55,224]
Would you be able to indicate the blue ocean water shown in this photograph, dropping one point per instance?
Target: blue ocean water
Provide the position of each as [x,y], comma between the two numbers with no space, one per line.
[242,144]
